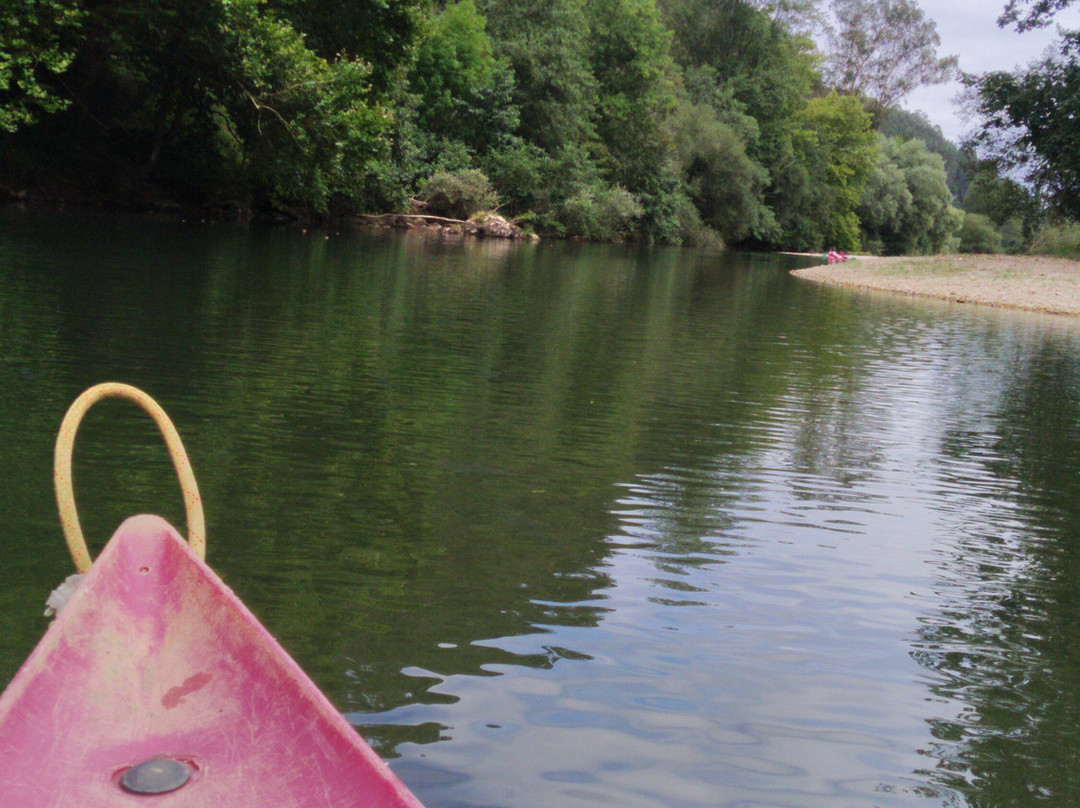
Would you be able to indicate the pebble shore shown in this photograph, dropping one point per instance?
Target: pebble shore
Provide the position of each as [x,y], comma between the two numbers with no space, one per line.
[1027,282]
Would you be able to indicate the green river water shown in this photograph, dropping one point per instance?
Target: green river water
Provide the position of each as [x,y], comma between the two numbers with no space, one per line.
[581,525]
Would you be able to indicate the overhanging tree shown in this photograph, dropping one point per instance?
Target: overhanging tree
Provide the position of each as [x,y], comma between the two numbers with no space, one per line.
[381,33]
[1030,125]
[1028,14]
[205,100]
[1029,116]
[37,44]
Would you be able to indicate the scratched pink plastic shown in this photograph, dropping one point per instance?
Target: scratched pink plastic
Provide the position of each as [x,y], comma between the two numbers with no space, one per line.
[155,657]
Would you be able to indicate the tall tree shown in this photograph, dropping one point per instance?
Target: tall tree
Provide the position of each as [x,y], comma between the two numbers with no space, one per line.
[379,32]
[1010,207]
[545,43]
[630,57]
[756,76]
[917,126]
[210,98]
[726,186]
[799,16]
[464,92]
[885,49]
[839,149]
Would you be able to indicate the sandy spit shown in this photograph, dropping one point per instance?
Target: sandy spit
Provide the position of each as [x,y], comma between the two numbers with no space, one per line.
[1028,282]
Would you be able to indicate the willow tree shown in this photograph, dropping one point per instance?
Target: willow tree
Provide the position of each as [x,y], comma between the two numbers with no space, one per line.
[906,208]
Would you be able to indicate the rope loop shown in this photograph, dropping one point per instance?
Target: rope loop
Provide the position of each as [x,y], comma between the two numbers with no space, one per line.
[65,443]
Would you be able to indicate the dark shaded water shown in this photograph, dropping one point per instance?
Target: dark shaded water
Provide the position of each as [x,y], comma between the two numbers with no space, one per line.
[582,525]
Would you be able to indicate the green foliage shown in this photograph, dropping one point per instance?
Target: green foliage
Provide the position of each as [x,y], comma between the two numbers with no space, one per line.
[757,77]
[1013,208]
[1061,240]
[672,218]
[380,33]
[545,43]
[680,121]
[463,92]
[996,197]
[726,186]
[839,149]
[217,98]
[1028,14]
[802,17]
[306,131]
[532,180]
[630,59]
[906,207]
[916,126]
[1030,125]
[979,235]
[36,45]
[608,214]
[743,63]
[459,195]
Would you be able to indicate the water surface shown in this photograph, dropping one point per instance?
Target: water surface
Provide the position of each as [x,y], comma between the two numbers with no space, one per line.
[582,525]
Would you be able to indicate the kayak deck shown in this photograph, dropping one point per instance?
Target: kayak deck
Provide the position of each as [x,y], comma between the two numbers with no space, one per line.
[155,659]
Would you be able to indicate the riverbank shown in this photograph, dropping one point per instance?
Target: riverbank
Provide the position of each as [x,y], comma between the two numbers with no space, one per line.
[1027,282]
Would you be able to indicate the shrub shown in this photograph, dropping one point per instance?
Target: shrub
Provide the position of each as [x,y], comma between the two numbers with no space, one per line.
[1062,240]
[671,218]
[458,194]
[1012,236]
[605,214]
[532,180]
[979,235]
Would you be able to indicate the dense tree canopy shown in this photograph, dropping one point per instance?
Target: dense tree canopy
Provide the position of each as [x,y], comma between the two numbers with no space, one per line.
[1011,208]
[682,121]
[907,208]
[916,126]
[381,33]
[840,149]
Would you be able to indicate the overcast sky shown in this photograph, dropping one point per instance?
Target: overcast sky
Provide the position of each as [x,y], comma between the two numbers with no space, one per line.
[968,28]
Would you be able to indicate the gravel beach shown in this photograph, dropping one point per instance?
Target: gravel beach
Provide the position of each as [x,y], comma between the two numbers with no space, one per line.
[1028,282]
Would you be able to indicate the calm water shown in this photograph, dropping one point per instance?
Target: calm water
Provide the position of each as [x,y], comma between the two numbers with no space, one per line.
[562,525]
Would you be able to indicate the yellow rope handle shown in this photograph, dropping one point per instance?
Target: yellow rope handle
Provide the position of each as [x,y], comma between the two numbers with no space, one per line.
[65,443]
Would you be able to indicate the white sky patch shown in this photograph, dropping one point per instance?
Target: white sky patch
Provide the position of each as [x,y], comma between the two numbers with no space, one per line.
[969,29]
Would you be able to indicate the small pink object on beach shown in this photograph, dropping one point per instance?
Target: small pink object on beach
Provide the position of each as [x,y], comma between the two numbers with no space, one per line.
[156,686]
